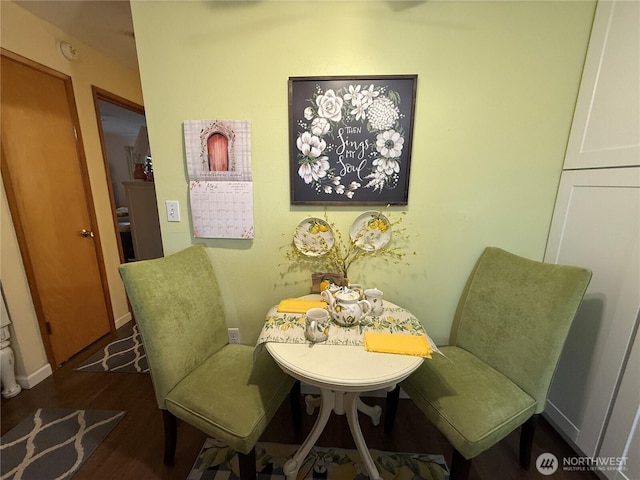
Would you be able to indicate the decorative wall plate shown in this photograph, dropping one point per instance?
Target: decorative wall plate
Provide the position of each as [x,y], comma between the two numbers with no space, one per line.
[313,237]
[371,231]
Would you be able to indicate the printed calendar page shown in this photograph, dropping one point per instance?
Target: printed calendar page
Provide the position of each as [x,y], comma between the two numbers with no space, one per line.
[218,156]
[222,209]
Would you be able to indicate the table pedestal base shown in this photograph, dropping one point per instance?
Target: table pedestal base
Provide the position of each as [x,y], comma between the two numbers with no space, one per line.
[341,403]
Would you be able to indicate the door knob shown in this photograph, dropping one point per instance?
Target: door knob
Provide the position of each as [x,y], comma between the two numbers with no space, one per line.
[86,233]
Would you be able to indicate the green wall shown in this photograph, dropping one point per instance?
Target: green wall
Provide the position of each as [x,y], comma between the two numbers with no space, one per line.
[497,84]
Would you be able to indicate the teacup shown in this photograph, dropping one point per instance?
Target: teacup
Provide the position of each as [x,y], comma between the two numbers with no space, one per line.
[317,324]
[374,296]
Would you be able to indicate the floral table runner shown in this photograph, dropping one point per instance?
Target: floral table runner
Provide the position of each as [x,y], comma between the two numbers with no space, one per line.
[289,327]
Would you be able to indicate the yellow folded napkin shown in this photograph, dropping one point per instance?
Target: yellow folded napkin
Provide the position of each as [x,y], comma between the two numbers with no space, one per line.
[394,343]
[297,305]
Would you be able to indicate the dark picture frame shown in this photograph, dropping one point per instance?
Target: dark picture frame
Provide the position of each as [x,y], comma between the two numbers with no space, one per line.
[350,139]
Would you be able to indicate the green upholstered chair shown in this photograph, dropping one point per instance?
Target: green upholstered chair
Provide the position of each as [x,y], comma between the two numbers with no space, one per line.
[197,375]
[507,335]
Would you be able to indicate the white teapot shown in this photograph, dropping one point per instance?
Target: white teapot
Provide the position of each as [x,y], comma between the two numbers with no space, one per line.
[345,307]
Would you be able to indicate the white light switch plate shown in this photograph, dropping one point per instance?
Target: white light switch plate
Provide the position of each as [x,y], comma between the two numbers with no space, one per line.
[173,211]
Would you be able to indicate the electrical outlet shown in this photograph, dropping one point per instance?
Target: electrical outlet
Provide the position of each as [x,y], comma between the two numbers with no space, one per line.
[234,335]
[173,210]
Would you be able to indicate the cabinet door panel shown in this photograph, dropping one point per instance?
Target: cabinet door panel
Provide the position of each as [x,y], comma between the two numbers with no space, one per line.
[622,438]
[596,225]
[606,125]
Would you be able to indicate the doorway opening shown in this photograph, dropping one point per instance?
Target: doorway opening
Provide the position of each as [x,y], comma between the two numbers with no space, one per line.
[125,147]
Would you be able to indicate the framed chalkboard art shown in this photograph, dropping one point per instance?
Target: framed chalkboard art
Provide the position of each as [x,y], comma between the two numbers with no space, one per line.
[350,139]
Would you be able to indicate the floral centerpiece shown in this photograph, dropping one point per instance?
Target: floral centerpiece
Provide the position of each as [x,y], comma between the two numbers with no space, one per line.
[320,244]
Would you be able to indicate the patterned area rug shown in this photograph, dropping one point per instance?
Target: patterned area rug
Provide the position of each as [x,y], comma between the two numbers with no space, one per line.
[125,354]
[218,462]
[53,443]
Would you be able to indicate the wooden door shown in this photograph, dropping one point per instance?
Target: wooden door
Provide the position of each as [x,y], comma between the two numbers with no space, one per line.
[45,178]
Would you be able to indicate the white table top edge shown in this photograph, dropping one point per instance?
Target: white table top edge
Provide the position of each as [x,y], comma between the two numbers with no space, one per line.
[342,367]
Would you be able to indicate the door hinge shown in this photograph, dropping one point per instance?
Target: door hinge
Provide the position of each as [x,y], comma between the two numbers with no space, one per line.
[48,326]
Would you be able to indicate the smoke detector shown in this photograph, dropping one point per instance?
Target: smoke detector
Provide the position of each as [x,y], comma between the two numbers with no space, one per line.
[68,51]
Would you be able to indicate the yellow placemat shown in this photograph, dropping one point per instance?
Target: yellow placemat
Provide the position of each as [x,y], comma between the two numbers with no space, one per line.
[297,305]
[394,343]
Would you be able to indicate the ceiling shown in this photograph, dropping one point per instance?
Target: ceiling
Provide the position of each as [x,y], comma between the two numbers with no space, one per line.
[120,121]
[104,25]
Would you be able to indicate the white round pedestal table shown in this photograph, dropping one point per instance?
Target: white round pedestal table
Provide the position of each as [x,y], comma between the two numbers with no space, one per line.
[341,373]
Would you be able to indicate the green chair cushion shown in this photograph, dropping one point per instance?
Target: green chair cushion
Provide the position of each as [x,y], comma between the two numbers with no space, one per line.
[472,404]
[230,397]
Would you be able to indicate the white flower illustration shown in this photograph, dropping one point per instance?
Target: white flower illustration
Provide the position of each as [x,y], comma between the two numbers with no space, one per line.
[308,113]
[389,143]
[310,145]
[377,180]
[314,170]
[388,166]
[368,94]
[383,114]
[353,94]
[330,106]
[359,111]
[320,126]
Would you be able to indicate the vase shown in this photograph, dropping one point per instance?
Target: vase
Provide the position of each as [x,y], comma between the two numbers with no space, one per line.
[138,172]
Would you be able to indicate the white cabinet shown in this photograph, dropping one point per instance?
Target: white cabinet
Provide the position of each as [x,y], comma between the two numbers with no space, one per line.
[596,225]
[606,123]
[622,438]
[144,218]
[594,398]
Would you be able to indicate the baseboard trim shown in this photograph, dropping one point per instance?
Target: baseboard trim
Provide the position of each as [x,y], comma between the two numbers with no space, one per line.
[35,378]
[123,320]
[30,381]
[560,421]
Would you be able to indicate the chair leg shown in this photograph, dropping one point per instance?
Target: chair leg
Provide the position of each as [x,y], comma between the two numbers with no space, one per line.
[170,436]
[295,398]
[460,466]
[392,406]
[526,440]
[247,463]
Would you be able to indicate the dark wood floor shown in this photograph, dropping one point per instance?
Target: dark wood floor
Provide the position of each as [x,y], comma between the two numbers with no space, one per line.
[134,448]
